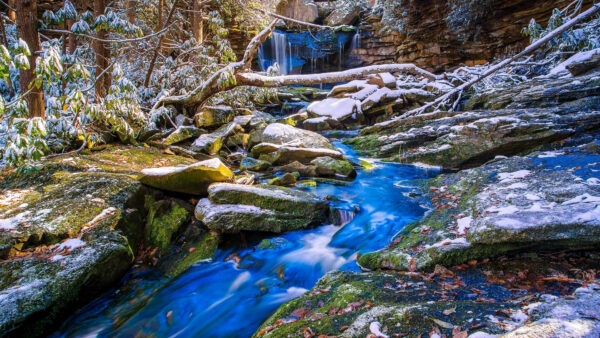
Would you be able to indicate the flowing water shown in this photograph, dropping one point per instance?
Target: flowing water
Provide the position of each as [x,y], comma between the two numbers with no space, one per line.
[221,298]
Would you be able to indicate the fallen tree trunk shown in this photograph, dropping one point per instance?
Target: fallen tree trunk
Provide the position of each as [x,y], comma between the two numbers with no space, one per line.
[239,74]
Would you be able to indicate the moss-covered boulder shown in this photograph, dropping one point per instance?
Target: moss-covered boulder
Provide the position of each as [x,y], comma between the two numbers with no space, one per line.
[506,206]
[214,116]
[345,304]
[190,179]
[165,219]
[213,142]
[286,180]
[327,166]
[233,208]
[181,134]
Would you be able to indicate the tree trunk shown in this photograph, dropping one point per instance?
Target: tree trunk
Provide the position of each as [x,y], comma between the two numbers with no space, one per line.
[161,5]
[131,11]
[157,50]
[26,18]
[11,14]
[197,24]
[102,54]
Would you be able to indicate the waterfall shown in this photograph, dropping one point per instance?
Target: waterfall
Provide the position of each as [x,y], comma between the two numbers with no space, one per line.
[280,47]
[261,58]
[355,41]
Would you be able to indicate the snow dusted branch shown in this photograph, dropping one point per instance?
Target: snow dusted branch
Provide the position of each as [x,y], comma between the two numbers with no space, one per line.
[258,80]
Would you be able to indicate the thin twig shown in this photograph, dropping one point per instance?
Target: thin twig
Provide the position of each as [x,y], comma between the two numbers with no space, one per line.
[111,40]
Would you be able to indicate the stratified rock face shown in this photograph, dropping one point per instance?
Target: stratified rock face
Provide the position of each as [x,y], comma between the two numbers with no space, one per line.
[68,232]
[233,208]
[191,179]
[439,34]
[301,10]
[515,120]
[505,206]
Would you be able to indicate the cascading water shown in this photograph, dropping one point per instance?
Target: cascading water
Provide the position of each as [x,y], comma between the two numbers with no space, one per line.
[355,42]
[280,45]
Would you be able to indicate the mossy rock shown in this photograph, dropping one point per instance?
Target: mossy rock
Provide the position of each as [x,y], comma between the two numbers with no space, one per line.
[233,208]
[181,134]
[165,219]
[327,166]
[216,116]
[253,164]
[345,304]
[191,179]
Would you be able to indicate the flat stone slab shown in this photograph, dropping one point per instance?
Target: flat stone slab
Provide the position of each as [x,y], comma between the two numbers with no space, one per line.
[190,179]
[234,207]
[509,205]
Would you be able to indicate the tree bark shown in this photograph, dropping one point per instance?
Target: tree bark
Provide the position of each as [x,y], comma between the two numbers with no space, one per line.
[157,50]
[197,23]
[161,5]
[102,54]
[26,18]
[131,11]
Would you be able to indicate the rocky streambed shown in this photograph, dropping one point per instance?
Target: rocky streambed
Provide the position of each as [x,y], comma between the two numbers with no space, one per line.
[241,223]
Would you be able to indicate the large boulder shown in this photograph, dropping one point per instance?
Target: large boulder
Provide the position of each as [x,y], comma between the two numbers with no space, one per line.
[282,155]
[213,142]
[507,206]
[301,10]
[283,134]
[190,179]
[69,232]
[328,166]
[233,208]
[215,116]
[345,12]
[181,134]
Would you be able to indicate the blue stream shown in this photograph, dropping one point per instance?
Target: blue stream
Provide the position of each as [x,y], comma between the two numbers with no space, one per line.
[219,298]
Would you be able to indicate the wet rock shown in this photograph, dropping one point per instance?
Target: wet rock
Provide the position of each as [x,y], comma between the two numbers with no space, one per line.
[233,208]
[319,123]
[212,143]
[295,119]
[327,166]
[165,218]
[181,134]
[190,179]
[211,117]
[507,206]
[281,155]
[466,139]
[68,230]
[283,134]
[287,180]
[304,170]
[346,304]
[253,164]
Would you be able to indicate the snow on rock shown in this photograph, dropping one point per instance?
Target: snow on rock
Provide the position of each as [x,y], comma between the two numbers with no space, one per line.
[70,245]
[575,63]
[514,175]
[338,109]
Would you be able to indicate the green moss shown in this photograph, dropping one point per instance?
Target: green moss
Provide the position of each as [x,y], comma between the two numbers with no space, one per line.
[202,248]
[165,218]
